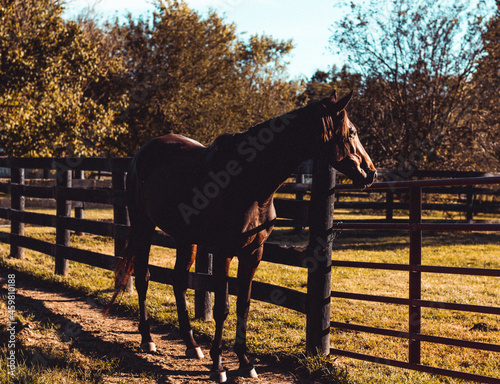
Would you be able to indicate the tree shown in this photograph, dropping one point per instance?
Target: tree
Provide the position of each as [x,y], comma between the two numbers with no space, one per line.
[194,76]
[323,83]
[417,60]
[487,78]
[85,87]
[48,71]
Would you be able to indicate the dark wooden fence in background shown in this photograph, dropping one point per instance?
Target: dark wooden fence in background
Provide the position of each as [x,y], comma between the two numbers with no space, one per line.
[66,195]
[315,212]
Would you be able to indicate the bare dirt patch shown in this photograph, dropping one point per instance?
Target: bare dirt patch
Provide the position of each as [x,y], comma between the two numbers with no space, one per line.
[82,326]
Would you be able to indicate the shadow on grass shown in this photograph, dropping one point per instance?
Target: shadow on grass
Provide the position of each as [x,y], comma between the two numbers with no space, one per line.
[388,240]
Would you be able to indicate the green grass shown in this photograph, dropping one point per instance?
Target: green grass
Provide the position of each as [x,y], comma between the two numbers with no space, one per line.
[281,332]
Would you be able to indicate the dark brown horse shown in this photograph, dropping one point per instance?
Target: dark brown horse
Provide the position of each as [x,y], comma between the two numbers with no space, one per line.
[221,197]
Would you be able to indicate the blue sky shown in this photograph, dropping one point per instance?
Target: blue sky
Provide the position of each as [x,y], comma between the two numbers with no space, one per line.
[308,25]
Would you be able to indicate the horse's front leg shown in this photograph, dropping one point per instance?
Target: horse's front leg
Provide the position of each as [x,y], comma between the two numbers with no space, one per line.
[221,310]
[246,271]
[186,254]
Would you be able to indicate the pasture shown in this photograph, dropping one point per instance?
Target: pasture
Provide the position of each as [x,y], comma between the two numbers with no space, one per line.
[279,332]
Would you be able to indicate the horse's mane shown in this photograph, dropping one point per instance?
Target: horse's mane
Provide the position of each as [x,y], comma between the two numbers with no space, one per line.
[228,143]
[329,130]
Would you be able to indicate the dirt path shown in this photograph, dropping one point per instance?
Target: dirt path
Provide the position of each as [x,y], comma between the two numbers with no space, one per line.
[83,326]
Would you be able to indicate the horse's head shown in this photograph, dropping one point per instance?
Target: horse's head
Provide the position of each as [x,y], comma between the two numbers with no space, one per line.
[341,145]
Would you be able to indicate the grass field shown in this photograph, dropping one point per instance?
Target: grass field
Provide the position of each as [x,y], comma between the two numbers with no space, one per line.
[281,332]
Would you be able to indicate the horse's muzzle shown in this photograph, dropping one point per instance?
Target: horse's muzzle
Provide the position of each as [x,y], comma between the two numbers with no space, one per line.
[371,176]
[366,181]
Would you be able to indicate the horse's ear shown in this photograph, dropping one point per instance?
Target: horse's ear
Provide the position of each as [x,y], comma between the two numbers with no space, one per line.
[342,103]
[333,95]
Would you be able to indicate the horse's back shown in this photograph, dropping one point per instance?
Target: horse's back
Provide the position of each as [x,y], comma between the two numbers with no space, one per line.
[167,153]
[162,172]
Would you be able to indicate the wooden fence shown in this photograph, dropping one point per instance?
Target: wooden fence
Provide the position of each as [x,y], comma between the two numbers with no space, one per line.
[317,211]
[463,201]
[65,195]
[415,226]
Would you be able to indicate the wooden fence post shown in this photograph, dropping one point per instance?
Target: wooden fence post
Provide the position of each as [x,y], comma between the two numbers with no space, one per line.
[63,209]
[79,207]
[120,216]
[17,203]
[415,278]
[319,259]
[469,205]
[389,210]
[202,298]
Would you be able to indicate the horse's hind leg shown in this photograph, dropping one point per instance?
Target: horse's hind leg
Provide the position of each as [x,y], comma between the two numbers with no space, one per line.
[140,244]
[186,254]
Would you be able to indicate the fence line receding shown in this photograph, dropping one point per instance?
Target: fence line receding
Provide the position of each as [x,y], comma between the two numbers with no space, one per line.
[316,212]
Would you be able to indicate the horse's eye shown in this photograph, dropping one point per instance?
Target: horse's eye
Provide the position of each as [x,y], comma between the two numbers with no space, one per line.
[352,132]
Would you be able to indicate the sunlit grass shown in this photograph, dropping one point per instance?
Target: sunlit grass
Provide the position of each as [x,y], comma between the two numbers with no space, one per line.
[458,250]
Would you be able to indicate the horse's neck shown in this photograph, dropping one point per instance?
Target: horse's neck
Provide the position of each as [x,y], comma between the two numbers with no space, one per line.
[271,151]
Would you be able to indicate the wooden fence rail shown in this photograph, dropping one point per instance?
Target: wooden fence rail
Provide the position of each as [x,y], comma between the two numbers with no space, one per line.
[415,226]
[467,200]
[316,212]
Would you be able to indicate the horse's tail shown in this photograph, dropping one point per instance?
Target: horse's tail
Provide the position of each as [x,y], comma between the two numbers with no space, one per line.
[124,269]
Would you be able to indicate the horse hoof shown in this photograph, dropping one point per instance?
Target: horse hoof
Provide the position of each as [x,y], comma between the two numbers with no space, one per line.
[248,372]
[148,347]
[218,377]
[195,353]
